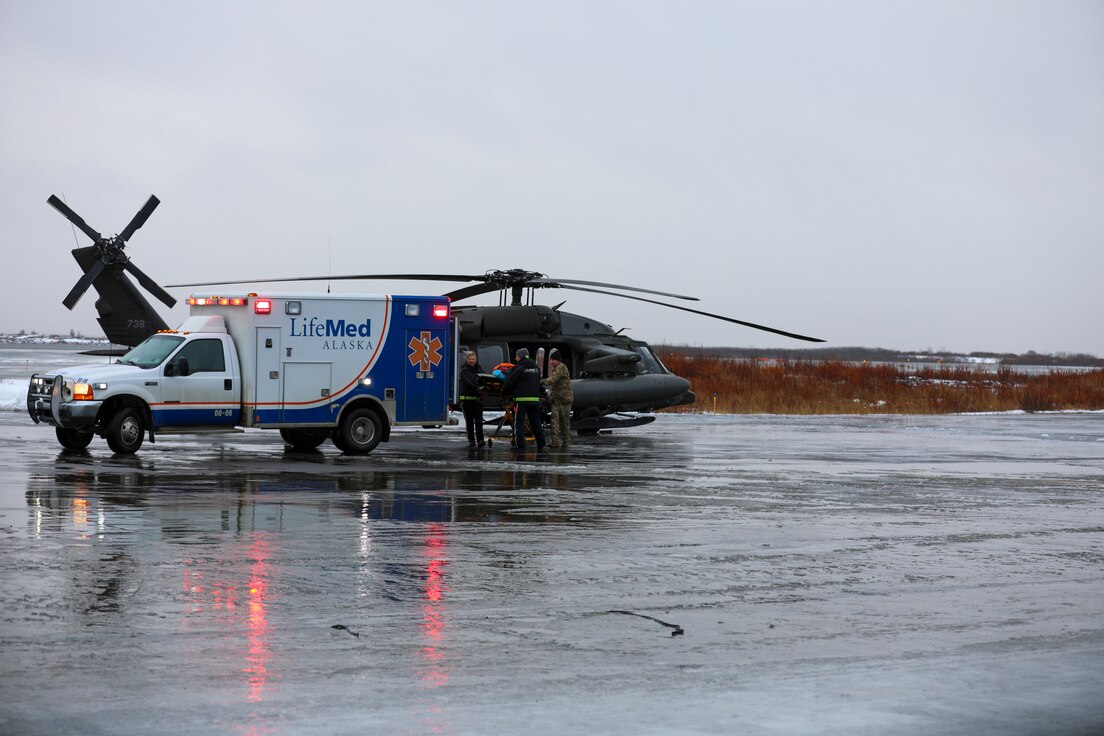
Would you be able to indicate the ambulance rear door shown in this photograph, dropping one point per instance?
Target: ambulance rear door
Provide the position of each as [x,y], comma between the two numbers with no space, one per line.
[426,386]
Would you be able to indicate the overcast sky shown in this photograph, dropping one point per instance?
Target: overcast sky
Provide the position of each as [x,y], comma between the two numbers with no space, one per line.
[906,175]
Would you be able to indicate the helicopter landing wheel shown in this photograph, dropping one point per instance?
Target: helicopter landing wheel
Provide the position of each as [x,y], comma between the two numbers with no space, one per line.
[587,414]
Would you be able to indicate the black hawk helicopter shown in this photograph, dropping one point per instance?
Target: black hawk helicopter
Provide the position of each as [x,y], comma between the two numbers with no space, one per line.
[125,315]
[617,381]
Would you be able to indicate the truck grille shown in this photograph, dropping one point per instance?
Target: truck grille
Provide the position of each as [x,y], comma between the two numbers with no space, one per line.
[39,394]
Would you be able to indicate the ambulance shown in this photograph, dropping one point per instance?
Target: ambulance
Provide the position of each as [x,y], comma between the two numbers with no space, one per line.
[313,366]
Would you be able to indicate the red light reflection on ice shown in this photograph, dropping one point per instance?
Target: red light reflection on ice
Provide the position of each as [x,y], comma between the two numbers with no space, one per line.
[236,609]
[434,612]
[257,650]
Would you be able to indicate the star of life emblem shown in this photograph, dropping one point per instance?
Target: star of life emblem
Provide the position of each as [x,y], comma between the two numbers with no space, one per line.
[425,351]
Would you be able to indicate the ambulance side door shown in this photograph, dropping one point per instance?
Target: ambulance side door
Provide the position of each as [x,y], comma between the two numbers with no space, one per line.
[199,387]
[268,393]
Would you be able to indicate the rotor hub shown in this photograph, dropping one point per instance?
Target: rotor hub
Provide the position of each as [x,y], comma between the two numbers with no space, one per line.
[111,251]
[512,277]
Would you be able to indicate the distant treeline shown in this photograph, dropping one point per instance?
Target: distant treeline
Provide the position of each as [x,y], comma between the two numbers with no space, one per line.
[734,386]
[881,355]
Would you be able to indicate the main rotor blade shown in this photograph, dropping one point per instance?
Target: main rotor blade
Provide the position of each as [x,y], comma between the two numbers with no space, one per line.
[353,277]
[81,286]
[704,314]
[552,282]
[470,291]
[150,285]
[140,218]
[74,218]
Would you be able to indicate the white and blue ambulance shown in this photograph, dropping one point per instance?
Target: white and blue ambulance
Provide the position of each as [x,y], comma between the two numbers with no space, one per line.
[314,366]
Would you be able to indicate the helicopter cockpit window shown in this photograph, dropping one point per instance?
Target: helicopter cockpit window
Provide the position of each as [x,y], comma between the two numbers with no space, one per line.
[490,356]
[648,360]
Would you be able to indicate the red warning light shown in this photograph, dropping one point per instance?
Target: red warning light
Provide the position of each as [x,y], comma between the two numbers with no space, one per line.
[262,306]
[440,311]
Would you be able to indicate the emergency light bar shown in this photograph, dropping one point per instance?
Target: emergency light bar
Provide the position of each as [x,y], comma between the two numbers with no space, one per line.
[221,301]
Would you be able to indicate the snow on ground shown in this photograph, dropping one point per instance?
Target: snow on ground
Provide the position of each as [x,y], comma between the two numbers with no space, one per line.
[13,395]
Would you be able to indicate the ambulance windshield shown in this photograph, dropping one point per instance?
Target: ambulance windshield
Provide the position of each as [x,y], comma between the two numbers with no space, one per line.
[152,351]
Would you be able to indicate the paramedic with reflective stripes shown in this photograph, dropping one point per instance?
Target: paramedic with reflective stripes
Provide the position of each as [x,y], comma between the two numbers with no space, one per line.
[523,385]
[469,400]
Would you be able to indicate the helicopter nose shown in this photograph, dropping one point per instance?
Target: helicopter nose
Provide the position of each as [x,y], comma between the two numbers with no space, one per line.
[662,390]
[680,391]
[669,390]
[636,393]
[687,398]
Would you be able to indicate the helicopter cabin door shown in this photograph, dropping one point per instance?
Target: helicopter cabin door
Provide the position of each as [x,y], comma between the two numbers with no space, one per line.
[425,391]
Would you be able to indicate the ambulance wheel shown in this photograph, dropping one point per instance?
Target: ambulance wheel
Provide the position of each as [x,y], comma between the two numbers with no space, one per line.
[335,437]
[304,439]
[360,432]
[125,431]
[74,439]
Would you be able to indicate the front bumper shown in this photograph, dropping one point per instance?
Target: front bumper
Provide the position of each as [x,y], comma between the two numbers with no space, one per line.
[45,403]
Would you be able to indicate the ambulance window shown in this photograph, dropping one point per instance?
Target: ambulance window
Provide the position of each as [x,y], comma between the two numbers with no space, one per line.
[490,356]
[204,356]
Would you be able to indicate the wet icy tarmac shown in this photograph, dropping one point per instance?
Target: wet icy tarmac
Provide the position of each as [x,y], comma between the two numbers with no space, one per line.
[830,575]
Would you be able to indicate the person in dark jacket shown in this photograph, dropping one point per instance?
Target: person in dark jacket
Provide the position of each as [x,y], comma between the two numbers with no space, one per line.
[469,400]
[523,386]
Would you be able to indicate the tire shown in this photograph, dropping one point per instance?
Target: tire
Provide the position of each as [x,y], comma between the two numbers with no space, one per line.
[360,432]
[74,439]
[339,443]
[125,431]
[590,413]
[304,439]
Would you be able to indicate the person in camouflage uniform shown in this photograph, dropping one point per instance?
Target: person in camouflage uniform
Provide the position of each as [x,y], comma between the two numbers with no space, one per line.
[559,385]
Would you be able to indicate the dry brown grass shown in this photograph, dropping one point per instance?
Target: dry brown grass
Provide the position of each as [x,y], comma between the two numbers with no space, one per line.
[744,387]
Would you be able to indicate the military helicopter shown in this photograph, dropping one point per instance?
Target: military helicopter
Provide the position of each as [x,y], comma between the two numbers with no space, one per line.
[617,381]
[125,315]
